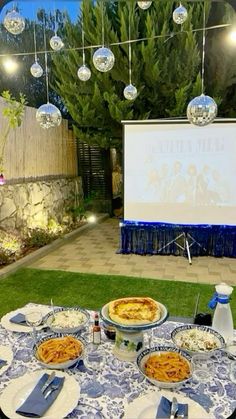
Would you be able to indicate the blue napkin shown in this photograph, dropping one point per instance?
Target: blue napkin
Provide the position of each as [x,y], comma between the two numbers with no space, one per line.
[2,363]
[19,319]
[164,408]
[36,405]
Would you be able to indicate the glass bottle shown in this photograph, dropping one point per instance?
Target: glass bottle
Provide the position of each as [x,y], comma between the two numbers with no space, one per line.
[96,330]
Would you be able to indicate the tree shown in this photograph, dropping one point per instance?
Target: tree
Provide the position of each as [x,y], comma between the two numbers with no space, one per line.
[164,70]
[13,112]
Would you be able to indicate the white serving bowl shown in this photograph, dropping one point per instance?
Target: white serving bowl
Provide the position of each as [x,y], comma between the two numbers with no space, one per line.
[59,365]
[50,317]
[205,339]
[158,350]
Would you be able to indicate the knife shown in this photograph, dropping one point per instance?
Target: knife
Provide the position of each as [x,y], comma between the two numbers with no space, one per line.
[174,408]
[48,382]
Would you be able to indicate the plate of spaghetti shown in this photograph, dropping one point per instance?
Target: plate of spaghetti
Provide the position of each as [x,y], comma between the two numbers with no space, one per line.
[59,351]
[165,366]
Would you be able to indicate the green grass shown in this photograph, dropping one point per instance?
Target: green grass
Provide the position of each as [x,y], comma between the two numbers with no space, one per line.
[93,291]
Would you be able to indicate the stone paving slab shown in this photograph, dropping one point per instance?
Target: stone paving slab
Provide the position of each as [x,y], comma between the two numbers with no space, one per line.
[94,251]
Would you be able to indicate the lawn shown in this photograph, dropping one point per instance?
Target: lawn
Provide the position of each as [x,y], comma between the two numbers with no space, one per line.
[93,291]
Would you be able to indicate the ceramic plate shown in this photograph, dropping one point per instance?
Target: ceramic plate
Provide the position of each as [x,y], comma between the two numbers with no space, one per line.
[158,350]
[185,330]
[18,390]
[105,316]
[6,354]
[67,329]
[8,325]
[61,365]
[145,407]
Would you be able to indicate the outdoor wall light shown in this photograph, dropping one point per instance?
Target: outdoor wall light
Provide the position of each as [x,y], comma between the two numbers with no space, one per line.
[10,65]
[232,36]
[92,219]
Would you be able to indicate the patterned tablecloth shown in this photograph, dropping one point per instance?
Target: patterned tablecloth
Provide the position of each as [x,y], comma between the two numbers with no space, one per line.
[121,381]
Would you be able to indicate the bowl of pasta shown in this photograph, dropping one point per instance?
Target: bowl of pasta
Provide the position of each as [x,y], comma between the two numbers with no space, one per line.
[59,351]
[165,366]
[194,338]
[67,319]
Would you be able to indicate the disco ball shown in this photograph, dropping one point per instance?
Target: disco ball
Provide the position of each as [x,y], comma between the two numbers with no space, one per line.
[144,4]
[103,59]
[48,116]
[14,22]
[180,15]
[202,110]
[36,70]
[84,73]
[56,43]
[130,92]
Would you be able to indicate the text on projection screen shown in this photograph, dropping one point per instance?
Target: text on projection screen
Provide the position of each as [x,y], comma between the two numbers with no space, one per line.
[179,173]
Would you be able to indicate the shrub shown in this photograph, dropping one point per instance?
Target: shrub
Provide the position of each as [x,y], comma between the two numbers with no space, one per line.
[11,247]
[39,237]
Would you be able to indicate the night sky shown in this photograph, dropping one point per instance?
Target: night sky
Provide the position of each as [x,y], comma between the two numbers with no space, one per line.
[28,8]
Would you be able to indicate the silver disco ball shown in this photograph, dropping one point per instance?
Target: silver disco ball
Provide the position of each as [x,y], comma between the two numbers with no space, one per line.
[144,4]
[84,73]
[48,116]
[130,92]
[202,110]
[36,70]
[14,22]
[56,43]
[103,59]
[180,15]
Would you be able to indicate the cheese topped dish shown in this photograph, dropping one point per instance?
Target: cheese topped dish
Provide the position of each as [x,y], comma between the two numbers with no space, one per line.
[134,310]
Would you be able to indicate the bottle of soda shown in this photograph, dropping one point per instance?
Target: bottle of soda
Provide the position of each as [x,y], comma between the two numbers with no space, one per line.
[96,330]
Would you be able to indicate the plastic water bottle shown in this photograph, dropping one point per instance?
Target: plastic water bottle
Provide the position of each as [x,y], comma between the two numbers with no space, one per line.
[222,319]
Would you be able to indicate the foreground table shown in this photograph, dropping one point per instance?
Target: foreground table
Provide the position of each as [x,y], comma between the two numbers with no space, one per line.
[121,381]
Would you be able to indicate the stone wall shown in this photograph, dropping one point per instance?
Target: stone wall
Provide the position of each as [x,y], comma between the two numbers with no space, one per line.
[33,204]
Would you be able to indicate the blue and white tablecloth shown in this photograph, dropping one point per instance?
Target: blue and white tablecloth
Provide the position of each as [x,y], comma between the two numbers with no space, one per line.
[121,381]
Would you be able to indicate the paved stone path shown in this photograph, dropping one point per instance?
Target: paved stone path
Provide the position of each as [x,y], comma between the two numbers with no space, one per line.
[94,251]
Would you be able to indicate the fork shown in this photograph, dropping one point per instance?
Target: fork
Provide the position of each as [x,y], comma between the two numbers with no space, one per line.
[50,390]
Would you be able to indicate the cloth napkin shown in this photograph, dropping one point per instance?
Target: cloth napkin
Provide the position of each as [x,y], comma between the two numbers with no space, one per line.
[36,405]
[164,408]
[19,319]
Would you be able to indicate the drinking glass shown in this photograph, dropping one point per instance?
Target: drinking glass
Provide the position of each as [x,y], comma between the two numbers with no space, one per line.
[34,319]
[203,367]
[95,360]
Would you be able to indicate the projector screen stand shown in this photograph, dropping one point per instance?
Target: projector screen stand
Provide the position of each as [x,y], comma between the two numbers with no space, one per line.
[188,242]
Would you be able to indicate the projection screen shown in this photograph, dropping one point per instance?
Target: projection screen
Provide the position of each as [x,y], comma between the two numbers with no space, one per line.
[180,174]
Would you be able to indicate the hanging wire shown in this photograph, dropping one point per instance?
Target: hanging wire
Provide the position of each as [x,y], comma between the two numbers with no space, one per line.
[46,59]
[103,35]
[203,45]
[82,27]
[130,50]
[35,45]
[55,18]
[132,41]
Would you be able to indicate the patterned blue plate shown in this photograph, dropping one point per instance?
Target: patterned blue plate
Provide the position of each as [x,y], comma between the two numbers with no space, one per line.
[134,328]
[194,338]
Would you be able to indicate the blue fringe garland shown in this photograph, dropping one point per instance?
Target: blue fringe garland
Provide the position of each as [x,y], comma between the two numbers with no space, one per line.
[153,239]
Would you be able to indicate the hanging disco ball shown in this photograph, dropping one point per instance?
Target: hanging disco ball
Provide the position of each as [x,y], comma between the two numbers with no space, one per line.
[36,70]
[48,116]
[202,110]
[84,73]
[103,59]
[56,43]
[144,4]
[14,22]
[180,15]
[130,92]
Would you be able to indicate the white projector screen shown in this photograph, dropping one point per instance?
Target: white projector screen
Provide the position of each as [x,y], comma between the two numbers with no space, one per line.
[179,173]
